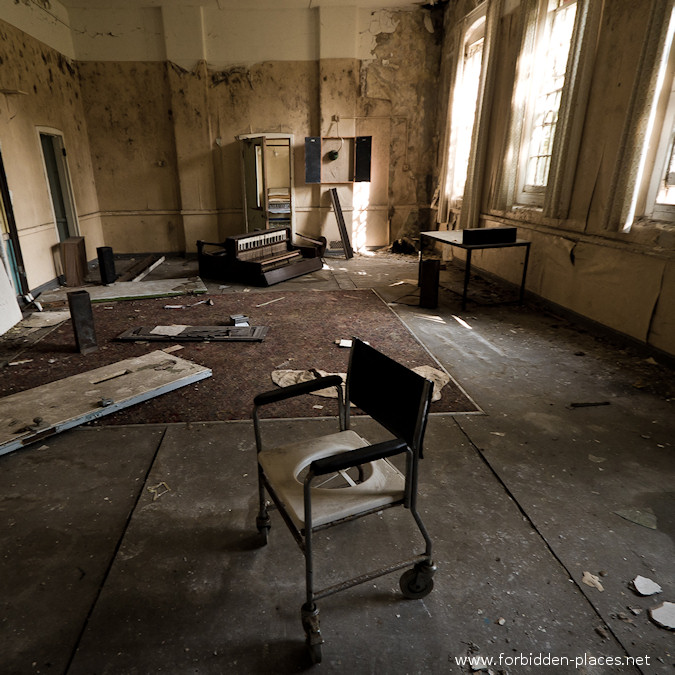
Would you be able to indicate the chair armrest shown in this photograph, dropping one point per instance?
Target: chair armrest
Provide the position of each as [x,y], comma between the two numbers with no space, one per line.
[345,460]
[292,390]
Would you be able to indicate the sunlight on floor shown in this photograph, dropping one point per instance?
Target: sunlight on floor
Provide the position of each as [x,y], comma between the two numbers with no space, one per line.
[461,322]
[432,318]
[360,217]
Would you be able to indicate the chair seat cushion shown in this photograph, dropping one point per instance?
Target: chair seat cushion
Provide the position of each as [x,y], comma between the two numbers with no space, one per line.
[383,484]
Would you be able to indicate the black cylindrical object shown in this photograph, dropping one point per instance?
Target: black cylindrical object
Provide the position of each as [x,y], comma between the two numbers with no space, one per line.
[106,265]
[429,275]
[82,317]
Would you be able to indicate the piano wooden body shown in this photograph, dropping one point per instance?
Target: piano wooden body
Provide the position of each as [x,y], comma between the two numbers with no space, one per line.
[260,258]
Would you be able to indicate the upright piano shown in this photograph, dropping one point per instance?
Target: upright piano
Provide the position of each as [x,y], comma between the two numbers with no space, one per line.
[260,258]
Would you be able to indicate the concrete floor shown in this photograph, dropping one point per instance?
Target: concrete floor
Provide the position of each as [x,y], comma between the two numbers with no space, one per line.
[130,550]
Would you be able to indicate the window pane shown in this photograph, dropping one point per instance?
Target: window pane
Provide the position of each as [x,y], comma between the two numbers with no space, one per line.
[667,190]
[551,65]
[465,98]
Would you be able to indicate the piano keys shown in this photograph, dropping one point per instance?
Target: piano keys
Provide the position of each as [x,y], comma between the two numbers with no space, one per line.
[260,258]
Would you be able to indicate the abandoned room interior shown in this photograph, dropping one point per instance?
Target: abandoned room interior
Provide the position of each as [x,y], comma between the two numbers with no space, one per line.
[211,203]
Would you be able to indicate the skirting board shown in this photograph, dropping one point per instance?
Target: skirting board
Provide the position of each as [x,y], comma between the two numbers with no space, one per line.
[84,397]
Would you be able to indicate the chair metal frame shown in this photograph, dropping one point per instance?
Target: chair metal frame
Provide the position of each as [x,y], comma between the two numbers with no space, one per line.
[406,421]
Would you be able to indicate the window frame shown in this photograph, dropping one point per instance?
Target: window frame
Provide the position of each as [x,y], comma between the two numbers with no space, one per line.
[553,200]
[532,194]
[472,34]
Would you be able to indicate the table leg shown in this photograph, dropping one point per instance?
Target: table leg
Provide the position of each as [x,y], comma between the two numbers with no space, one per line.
[467,274]
[419,261]
[522,282]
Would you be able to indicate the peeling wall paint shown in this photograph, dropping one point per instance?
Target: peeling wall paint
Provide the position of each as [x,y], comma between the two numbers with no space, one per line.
[51,99]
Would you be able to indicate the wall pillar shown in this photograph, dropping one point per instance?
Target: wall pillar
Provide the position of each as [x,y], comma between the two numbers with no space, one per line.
[189,86]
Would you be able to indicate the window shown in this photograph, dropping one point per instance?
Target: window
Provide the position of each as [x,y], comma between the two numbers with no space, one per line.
[465,95]
[659,202]
[544,70]
[644,177]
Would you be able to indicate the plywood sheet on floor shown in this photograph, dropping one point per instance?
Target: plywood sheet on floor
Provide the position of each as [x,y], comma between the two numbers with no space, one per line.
[129,290]
[35,414]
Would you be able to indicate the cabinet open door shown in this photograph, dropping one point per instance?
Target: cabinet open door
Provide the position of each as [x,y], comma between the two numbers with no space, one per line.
[267,180]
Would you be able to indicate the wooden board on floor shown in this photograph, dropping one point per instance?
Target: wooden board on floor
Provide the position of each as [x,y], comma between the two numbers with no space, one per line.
[142,268]
[130,290]
[36,414]
[180,333]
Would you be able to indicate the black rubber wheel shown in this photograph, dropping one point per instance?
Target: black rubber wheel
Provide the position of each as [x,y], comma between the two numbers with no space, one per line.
[315,653]
[263,535]
[415,585]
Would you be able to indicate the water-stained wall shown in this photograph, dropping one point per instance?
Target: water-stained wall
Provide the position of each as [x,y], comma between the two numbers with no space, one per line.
[159,95]
[41,91]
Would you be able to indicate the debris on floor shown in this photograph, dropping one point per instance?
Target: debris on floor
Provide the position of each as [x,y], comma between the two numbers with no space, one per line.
[269,302]
[602,632]
[438,377]
[38,320]
[639,517]
[184,333]
[664,615]
[159,490]
[142,268]
[284,378]
[194,304]
[592,581]
[239,320]
[645,586]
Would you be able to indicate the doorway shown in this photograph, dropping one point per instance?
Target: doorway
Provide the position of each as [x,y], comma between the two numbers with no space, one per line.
[10,249]
[58,177]
[267,165]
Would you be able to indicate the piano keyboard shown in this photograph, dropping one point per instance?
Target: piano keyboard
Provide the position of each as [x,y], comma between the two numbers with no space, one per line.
[259,240]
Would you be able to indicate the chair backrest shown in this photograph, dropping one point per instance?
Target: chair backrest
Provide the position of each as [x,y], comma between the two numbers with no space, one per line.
[393,395]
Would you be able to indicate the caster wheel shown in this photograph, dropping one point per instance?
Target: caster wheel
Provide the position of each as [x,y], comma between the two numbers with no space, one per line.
[315,653]
[263,525]
[313,639]
[263,535]
[415,584]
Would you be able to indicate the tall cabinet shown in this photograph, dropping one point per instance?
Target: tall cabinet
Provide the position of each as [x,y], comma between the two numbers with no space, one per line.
[267,180]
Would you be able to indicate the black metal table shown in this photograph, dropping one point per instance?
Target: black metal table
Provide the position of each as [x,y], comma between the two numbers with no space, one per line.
[454,238]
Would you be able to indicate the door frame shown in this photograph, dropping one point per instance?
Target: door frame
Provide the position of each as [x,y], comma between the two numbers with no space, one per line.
[17,271]
[64,180]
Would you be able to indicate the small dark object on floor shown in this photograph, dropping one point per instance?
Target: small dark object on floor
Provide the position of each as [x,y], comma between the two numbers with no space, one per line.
[403,245]
[588,404]
[82,317]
